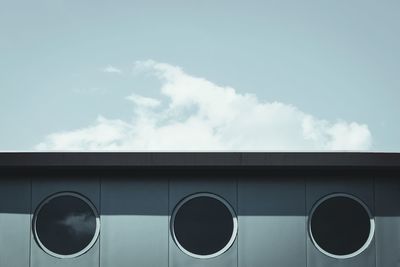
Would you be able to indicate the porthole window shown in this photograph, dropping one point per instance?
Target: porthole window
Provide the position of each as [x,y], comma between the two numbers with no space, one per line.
[66,225]
[204,225]
[341,226]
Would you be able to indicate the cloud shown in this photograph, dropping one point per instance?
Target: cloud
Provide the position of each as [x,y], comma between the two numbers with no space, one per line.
[78,224]
[142,101]
[193,113]
[112,69]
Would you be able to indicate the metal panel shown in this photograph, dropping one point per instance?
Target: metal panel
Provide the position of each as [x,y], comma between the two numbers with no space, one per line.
[272,222]
[134,222]
[181,188]
[41,189]
[15,221]
[387,199]
[362,188]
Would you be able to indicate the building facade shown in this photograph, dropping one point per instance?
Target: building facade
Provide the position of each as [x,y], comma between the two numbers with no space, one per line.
[199,209]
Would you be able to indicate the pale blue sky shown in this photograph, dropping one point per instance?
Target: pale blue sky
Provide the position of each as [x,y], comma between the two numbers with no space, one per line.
[335,60]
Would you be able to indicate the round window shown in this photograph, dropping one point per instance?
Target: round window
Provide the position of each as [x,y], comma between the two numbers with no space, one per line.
[204,225]
[66,225]
[341,226]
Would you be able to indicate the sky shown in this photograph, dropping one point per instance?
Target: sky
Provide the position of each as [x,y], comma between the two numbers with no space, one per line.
[199,75]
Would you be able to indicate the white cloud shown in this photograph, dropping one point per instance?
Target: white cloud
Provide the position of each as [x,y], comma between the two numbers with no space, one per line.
[144,101]
[78,224]
[200,115]
[112,69]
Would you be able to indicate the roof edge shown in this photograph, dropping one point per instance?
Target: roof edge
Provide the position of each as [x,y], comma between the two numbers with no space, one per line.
[199,159]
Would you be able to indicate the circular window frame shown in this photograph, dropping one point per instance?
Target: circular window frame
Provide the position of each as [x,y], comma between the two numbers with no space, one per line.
[371,223]
[234,230]
[91,243]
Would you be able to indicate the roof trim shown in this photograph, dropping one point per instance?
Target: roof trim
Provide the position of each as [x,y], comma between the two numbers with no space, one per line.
[125,160]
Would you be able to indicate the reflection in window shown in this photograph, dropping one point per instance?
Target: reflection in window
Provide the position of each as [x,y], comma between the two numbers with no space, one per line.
[66,224]
[204,225]
[341,226]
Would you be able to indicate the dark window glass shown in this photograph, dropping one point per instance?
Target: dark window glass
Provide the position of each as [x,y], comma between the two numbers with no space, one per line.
[66,224]
[340,225]
[203,225]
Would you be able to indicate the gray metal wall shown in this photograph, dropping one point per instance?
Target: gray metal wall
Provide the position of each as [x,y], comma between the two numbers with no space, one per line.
[15,222]
[135,213]
[134,222]
[363,189]
[272,225]
[387,220]
[41,189]
[179,189]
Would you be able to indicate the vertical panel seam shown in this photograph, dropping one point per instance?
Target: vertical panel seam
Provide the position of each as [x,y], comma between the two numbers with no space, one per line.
[305,219]
[237,214]
[374,213]
[30,222]
[100,213]
[168,219]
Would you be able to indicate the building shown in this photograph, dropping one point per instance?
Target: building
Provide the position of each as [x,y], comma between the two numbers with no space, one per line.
[199,209]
